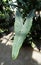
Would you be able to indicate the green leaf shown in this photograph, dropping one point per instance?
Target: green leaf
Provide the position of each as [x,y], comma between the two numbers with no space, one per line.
[4,1]
[17,28]
[20,1]
[18,39]
[18,22]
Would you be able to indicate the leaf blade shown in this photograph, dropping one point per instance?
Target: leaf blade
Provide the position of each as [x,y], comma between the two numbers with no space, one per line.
[18,39]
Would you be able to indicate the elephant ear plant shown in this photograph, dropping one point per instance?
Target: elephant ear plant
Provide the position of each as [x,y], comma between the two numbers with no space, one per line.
[21,31]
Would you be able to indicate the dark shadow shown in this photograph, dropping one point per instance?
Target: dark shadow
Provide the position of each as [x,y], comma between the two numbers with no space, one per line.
[36,32]
[1,35]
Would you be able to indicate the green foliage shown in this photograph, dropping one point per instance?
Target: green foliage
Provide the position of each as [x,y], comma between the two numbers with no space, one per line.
[17,28]
[18,22]
[23,23]
[5,14]
[21,31]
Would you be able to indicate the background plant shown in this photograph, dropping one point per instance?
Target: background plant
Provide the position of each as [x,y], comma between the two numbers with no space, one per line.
[6,15]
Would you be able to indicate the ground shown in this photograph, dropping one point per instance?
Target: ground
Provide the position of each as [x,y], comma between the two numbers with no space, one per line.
[27,55]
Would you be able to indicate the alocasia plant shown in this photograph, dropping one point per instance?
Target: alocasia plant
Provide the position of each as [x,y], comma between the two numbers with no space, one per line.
[21,31]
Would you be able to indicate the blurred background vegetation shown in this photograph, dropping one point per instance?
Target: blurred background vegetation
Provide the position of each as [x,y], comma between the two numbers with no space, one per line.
[6,15]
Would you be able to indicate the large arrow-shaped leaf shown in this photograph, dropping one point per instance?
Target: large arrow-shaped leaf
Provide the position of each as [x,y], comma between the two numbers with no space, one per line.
[18,39]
